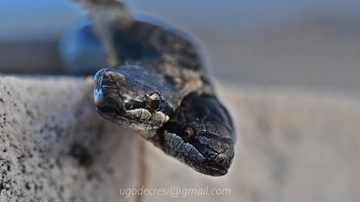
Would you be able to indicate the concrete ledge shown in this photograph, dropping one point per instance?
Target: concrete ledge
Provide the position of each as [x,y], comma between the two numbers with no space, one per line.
[55,147]
[291,146]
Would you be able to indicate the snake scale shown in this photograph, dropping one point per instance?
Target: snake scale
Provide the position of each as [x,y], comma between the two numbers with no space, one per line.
[157,84]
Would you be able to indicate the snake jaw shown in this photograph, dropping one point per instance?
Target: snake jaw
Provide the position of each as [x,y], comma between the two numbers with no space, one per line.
[154,119]
[112,114]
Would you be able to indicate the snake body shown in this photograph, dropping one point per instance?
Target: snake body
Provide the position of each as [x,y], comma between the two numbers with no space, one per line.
[160,88]
[160,65]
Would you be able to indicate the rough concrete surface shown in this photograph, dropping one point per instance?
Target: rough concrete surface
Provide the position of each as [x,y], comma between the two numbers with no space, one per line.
[291,146]
[55,147]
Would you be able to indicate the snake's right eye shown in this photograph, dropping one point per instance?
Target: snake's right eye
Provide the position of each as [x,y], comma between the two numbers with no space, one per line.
[154,100]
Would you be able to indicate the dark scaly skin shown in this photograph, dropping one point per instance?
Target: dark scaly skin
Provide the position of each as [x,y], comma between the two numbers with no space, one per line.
[200,132]
[210,149]
[172,63]
[122,96]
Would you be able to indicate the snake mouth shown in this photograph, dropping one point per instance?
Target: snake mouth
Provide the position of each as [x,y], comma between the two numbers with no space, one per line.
[216,169]
[211,167]
[107,110]
[209,163]
[109,113]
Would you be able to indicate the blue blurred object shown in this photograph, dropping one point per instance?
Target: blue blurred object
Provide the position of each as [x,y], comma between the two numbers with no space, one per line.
[81,50]
[36,20]
[307,44]
[40,19]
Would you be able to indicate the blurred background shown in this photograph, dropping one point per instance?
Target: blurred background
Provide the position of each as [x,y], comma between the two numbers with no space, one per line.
[278,43]
[291,147]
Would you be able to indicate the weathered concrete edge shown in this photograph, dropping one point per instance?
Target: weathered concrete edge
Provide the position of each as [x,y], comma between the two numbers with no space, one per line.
[55,147]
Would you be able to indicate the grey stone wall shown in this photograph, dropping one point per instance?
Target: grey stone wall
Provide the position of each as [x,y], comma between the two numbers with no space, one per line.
[291,146]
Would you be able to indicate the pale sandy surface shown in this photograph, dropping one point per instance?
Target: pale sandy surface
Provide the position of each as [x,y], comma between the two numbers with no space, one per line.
[291,146]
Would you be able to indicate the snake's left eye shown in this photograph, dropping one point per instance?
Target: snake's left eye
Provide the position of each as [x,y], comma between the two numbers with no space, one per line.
[154,100]
[189,132]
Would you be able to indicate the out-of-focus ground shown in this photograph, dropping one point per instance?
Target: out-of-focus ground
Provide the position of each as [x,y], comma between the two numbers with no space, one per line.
[278,43]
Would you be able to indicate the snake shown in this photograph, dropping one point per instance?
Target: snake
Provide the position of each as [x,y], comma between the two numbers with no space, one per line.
[159,86]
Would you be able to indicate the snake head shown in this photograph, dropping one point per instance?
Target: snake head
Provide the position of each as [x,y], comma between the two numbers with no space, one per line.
[130,96]
[200,134]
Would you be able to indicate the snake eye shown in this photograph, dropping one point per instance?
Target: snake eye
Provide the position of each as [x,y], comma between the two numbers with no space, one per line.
[154,100]
[189,132]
